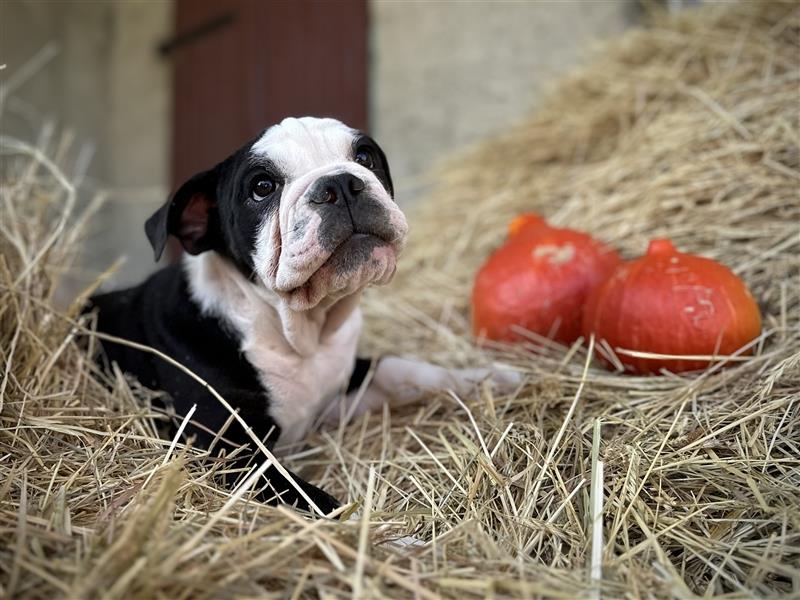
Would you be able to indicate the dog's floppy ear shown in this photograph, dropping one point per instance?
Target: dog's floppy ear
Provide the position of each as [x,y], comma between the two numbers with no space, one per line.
[189,215]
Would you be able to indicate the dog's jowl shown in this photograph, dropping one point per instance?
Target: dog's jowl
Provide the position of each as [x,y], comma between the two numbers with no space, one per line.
[280,239]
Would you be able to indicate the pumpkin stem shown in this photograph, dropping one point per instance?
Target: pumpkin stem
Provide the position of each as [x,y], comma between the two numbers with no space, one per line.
[524,221]
[661,246]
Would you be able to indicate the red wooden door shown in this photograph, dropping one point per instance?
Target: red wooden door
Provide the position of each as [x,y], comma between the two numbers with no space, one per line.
[240,65]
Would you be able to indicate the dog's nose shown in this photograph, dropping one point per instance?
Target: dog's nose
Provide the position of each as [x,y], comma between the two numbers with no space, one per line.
[336,188]
[355,184]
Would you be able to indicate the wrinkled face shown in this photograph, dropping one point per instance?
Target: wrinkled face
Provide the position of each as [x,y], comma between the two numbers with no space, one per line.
[330,226]
[306,209]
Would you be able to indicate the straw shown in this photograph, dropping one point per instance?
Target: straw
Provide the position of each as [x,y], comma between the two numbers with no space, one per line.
[688,129]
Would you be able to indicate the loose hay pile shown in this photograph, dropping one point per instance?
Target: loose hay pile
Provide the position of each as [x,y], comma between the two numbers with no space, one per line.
[688,130]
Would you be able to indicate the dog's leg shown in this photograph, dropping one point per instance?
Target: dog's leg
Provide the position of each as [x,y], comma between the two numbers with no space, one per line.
[273,487]
[398,381]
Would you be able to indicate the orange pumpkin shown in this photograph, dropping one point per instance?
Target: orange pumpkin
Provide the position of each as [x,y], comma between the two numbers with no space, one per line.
[525,223]
[668,302]
[538,281]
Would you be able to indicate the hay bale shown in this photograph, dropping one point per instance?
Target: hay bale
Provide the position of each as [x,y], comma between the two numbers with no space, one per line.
[687,130]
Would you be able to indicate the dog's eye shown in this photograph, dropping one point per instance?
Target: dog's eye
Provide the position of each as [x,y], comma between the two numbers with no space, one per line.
[365,158]
[262,187]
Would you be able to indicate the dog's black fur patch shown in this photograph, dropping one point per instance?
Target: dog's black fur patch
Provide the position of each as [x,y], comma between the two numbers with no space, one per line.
[381,168]
[233,216]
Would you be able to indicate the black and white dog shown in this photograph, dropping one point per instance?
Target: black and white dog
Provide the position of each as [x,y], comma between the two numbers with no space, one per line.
[281,238]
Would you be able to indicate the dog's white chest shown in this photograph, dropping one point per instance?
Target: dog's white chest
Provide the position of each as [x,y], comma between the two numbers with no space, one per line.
[300,387]
[298,383]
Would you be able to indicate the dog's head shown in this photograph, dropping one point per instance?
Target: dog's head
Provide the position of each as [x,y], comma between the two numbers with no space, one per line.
[305,209]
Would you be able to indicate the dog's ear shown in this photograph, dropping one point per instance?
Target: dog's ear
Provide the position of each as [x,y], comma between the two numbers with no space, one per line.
[189,215]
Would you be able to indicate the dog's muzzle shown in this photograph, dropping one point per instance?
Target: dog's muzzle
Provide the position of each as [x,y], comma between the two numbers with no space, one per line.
[345,233]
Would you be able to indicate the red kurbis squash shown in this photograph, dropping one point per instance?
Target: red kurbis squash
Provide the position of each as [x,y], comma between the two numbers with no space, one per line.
[672,303]
[538,281]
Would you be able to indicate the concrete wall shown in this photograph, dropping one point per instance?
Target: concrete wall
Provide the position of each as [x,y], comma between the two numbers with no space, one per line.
[107,88]
[139,128]
[445,74]
[68,90]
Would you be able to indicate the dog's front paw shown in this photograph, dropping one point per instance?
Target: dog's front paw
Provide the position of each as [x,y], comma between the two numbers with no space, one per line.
[324,501]
[504,379]
[281,491]
[501,378]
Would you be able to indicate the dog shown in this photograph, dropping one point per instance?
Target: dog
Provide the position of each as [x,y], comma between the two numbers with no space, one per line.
[280,240]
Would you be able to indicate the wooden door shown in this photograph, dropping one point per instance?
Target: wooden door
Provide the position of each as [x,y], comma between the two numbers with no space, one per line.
[240,65]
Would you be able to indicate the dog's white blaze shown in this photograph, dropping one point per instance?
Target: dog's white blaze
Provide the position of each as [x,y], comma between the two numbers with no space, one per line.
[302,145]
[299,384]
